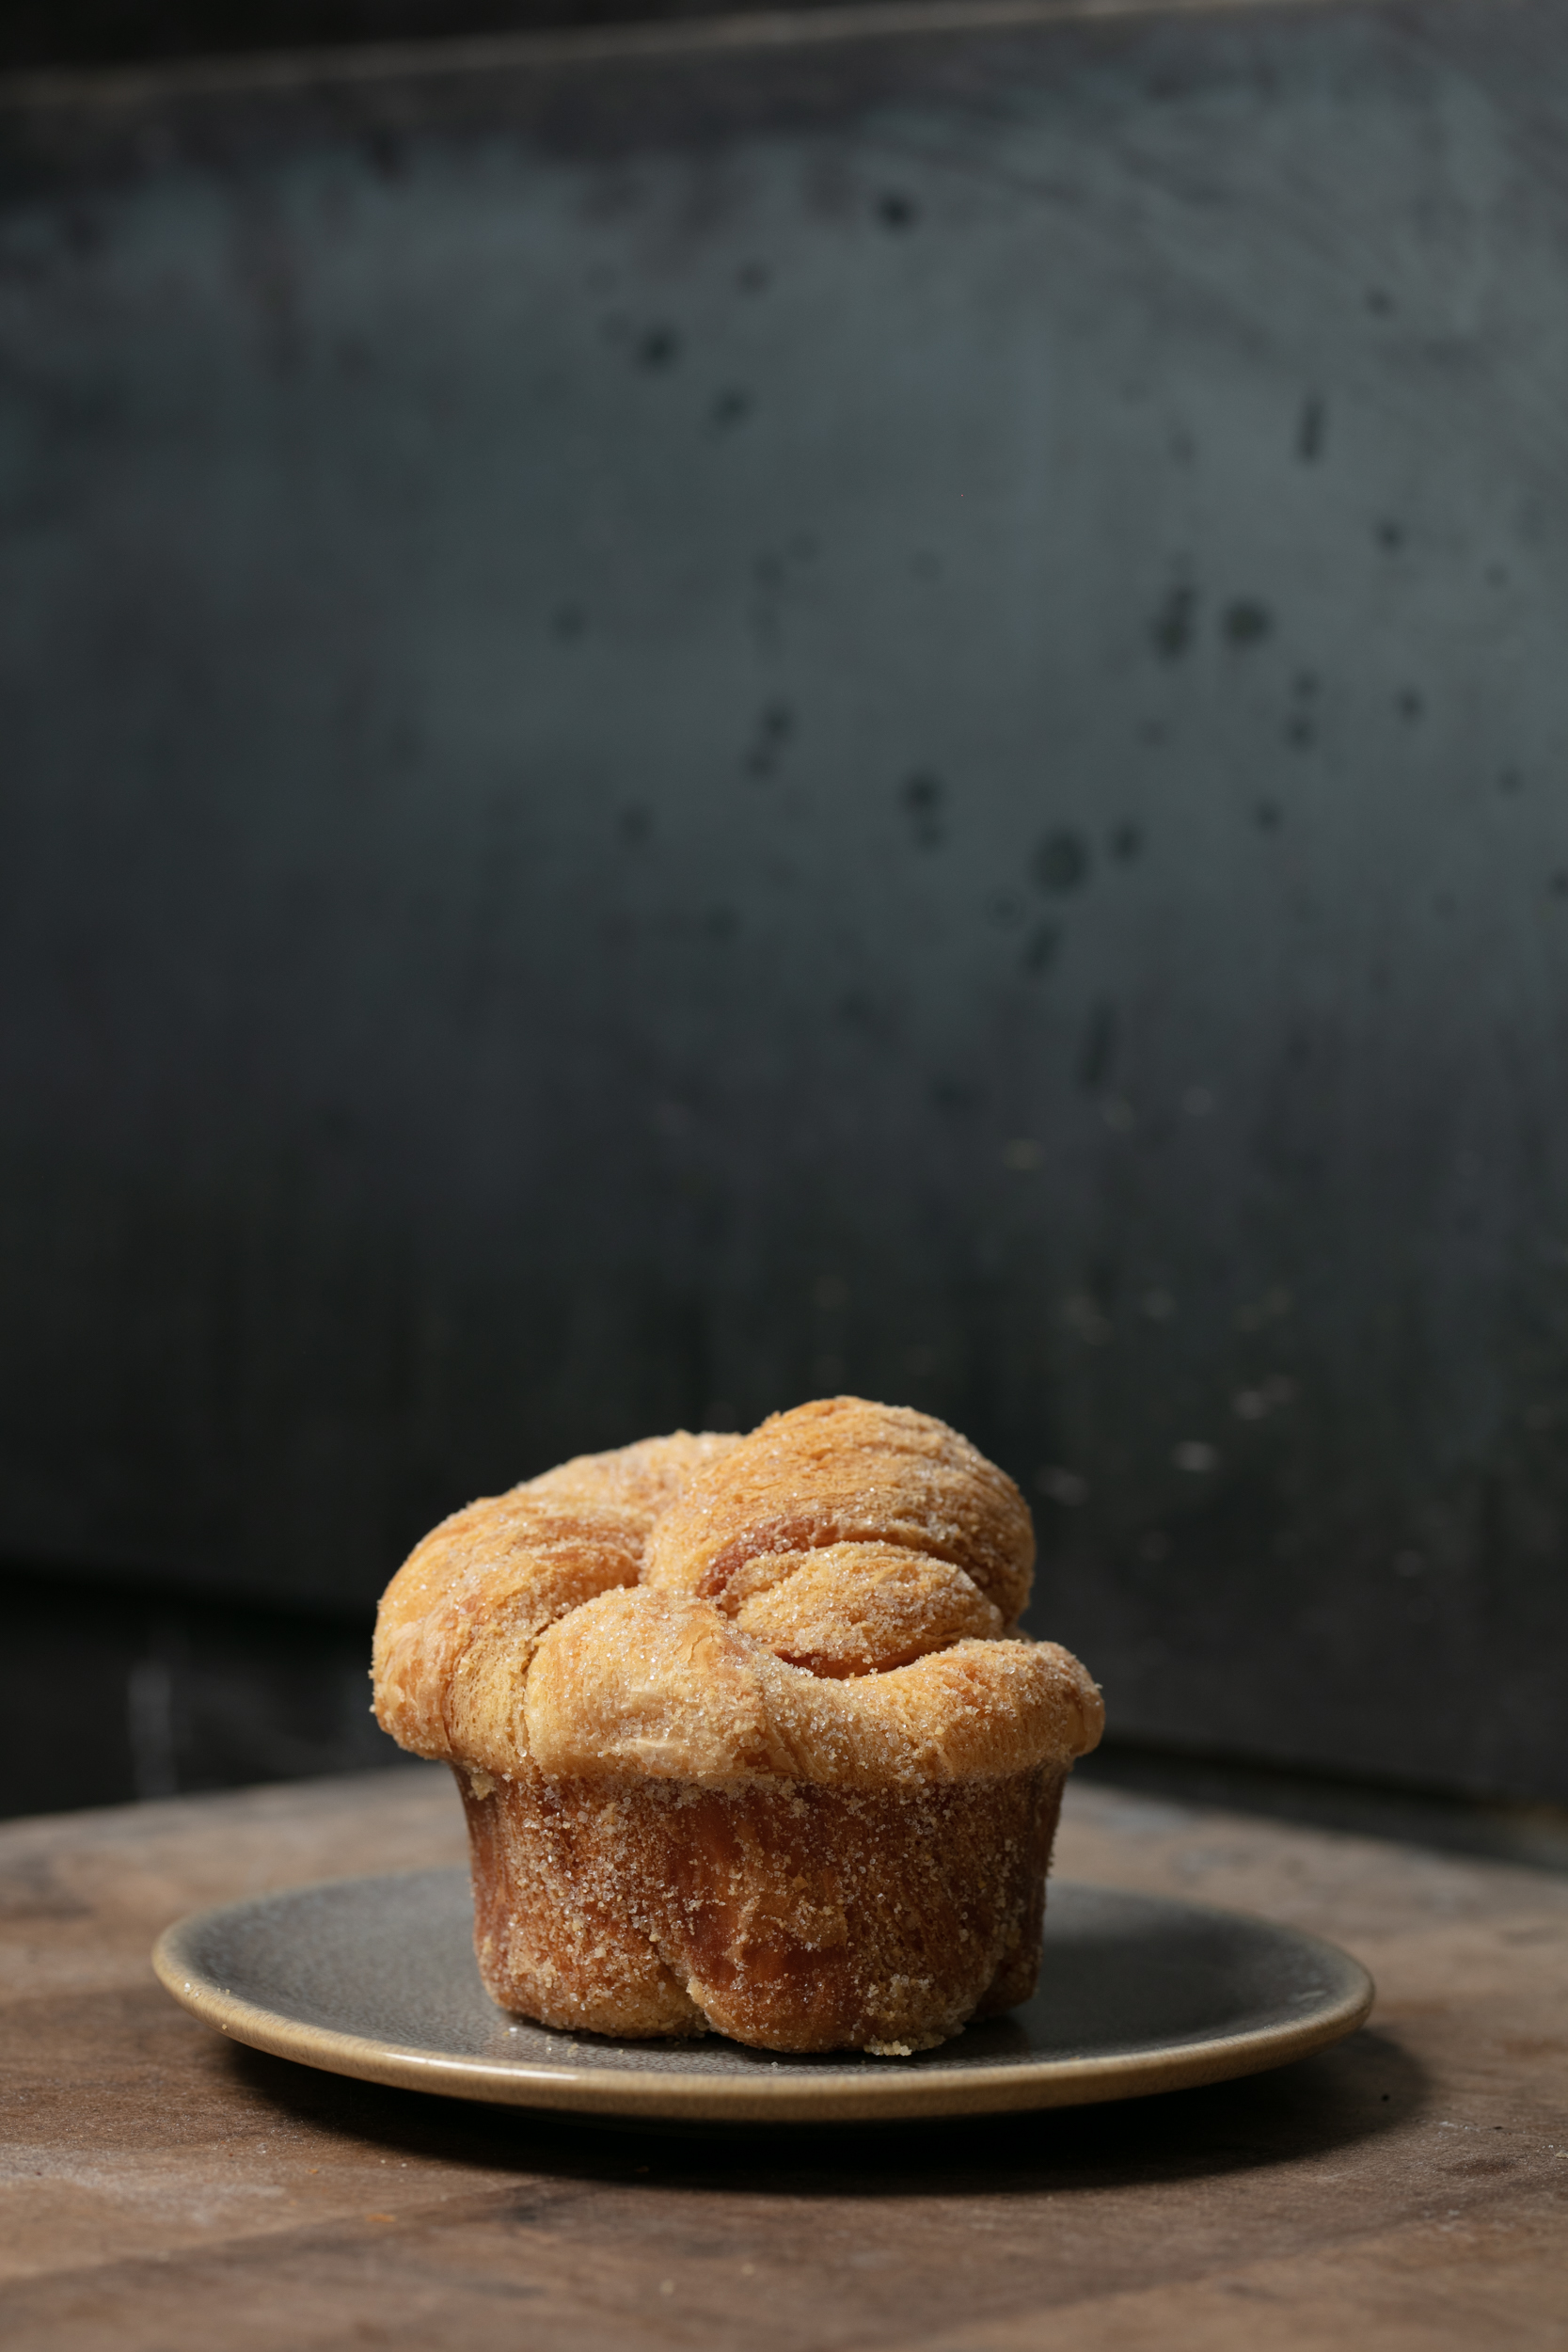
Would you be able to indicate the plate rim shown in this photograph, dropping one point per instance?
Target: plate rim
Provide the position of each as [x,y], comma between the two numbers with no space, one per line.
[872,2097]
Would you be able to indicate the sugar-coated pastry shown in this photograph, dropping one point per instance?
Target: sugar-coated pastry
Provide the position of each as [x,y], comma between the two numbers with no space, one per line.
[746,1736]
[458,1624]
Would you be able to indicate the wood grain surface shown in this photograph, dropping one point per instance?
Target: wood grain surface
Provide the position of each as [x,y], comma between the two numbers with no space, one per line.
[166,2190]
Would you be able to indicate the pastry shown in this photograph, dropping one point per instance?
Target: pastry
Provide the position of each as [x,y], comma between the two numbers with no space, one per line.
[746,1735]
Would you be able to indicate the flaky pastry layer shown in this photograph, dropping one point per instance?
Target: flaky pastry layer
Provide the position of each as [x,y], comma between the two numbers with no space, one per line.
[828,1600]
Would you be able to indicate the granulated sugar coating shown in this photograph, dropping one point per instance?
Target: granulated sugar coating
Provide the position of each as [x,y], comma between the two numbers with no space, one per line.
[746,1736]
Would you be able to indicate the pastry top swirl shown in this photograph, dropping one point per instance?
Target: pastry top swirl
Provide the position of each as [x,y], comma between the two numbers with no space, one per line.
[832,1599]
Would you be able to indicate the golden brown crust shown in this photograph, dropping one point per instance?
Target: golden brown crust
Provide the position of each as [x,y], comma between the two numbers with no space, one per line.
[791,1919]
[670,1672]
[859,1609]
[556,1898]
[646,1477]
[458,1625]
[645,1685]
[843,1472]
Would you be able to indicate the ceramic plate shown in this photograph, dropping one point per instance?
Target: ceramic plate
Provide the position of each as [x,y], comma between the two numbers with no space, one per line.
[376,1977]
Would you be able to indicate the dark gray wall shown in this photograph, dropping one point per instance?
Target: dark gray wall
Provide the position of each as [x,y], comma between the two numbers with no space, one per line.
[42,34]
[112,1690]
[884,712]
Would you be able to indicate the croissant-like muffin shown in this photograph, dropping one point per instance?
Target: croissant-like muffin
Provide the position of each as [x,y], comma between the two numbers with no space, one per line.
[746,1736]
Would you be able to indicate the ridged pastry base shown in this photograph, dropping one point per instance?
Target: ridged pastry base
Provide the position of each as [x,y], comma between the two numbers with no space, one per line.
[800,1918]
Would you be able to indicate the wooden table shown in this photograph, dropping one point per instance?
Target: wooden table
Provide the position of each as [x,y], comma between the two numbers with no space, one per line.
[166,2189]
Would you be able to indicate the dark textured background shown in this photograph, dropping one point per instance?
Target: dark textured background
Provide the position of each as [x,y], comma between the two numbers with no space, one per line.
[685,728]
[45,34]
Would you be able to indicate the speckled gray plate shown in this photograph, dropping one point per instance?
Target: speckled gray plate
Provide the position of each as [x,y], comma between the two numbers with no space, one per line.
[376,1977]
